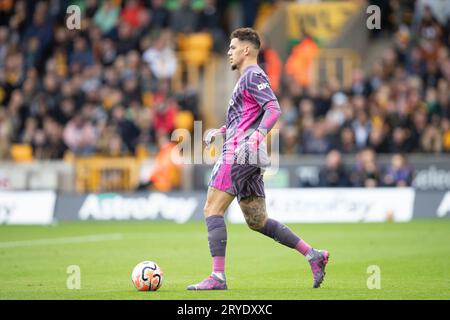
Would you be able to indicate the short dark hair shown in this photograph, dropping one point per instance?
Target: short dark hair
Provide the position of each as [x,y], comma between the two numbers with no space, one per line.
[247,34]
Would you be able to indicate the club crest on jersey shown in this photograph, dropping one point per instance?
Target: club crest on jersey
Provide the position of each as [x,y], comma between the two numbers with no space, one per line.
[263,86]
[231,102]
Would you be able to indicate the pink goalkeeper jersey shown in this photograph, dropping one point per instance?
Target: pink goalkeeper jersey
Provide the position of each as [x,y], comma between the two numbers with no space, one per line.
[253,106]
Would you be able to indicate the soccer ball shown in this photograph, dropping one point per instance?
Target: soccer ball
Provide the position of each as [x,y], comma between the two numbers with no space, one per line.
[147,276]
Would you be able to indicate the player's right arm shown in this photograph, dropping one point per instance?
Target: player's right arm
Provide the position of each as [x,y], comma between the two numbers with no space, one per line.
[212,133]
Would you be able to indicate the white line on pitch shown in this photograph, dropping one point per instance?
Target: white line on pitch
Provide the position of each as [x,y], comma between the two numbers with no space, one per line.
[81,239]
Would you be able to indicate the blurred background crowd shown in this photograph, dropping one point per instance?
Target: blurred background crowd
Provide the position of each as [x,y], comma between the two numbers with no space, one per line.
[401,105]
[107,88]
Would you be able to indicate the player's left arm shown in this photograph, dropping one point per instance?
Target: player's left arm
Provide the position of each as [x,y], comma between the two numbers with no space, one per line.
[263,94]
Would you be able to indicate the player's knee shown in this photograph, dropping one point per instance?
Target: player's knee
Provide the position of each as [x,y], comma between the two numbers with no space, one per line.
[207,211]
[255,224]
[210,210]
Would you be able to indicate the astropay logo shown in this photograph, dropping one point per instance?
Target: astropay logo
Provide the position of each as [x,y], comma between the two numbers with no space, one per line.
[116,207]
[444,207]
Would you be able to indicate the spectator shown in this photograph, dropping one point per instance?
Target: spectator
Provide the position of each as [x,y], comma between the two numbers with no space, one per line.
[116,147]
[41,29]
[4,45]
[160,16]
[315,139]
[399,173]
[131,90]
[39,144]
[126,128]
[289,144]
[333,174]
[14,73]
[444,99]
[50,92]
[91,8]
[80,136]
[377,140]
[107,16]
[430,32]
[106,131]
[346,142]
[65,111]
[110,142]
[165,113]
[47,143]
[400,141]
[184,19]
[32,54]
[366,172]
[415,63]
[209,20]
[108,52]
[6,133]
[270,62]
[29,131]
[165,173]
[361,127]
[337,113]
[126,40]
[289,114]
[188,100]
[306,109]
[431,140]
[81,54]
[131,13]
[359,85]
[161,58]
[301,58]
[18,21]
[17,111]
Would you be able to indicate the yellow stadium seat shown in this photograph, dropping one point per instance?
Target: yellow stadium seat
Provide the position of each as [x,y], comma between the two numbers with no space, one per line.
[21,152]
[195,48]
[200,41]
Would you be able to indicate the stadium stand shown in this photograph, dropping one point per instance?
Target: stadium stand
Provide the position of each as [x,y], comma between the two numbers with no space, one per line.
[111,88]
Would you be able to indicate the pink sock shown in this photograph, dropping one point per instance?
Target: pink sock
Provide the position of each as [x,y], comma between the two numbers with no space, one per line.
[303,247]
[219,264]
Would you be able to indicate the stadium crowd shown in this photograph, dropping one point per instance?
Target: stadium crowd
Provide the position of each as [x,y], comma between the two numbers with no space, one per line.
[401,106]
[106,89]
[103,88]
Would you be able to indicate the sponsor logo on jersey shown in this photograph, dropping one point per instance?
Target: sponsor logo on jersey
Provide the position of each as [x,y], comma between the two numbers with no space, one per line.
[263,86]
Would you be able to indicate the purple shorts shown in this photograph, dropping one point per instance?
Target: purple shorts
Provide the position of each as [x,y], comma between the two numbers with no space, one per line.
[240,180]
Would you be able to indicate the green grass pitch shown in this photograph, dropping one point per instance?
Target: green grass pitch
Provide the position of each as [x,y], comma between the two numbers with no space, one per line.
[414,260]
